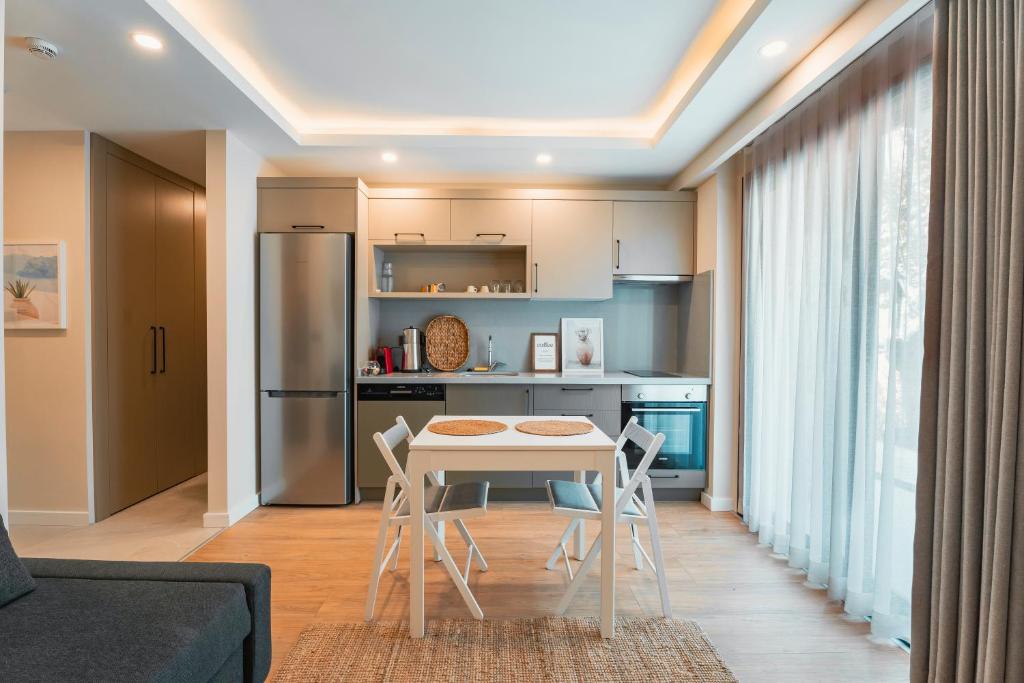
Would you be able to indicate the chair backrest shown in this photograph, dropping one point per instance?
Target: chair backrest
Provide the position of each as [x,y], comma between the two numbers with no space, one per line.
[650,443]
[386,443]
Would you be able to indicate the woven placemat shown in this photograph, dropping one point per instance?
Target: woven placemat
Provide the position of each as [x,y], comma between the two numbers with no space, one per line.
[554,427]
[467,427]
[548,650]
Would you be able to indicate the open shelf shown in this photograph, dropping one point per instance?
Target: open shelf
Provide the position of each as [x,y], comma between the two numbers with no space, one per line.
[447,295]
[457,265]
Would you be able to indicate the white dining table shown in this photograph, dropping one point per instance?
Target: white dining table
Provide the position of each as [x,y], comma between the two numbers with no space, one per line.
[510,451]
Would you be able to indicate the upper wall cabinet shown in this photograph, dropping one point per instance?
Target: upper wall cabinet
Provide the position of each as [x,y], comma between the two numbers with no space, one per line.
[491,220]
[572,249]
[295,209]
[654,238]
[410,220]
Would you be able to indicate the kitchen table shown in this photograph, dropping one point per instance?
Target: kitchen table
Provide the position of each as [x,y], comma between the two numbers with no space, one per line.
[511,451]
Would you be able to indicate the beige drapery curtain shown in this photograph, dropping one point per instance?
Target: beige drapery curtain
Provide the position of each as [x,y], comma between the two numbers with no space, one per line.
[968,596]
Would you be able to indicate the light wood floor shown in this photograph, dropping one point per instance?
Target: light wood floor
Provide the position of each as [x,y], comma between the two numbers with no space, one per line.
[767,625]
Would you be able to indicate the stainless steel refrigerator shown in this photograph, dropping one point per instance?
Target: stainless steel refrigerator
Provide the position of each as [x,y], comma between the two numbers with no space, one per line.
[306,440]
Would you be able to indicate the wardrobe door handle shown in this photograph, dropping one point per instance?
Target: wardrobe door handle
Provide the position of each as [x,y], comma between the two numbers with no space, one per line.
[163,349]
[152,367]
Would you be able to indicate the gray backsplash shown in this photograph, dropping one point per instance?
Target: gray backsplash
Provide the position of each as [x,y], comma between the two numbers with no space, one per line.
[641,324]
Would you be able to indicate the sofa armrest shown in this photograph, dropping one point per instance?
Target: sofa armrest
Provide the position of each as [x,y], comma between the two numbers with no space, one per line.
[254,578]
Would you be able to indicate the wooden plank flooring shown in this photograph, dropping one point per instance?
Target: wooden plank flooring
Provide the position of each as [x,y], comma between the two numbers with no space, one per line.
[765,622]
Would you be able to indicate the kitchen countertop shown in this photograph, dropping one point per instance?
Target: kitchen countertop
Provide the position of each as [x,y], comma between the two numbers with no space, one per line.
[612,377]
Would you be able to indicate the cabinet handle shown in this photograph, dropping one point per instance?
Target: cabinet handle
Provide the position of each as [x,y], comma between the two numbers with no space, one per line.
[577,388]
[163,349]
[534,278]
[587,415]
[618,254]
[422,236]
[307,227]
[152,367]
[502,235]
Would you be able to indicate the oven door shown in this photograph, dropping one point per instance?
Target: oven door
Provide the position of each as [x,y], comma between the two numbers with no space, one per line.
[684,426]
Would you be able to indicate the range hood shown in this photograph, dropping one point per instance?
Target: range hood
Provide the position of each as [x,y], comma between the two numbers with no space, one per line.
[655,279]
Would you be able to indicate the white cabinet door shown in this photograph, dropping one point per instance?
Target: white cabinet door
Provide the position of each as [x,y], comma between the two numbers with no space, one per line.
[572,249]
[654,238]
[302,209]
[410,220]
[491,221]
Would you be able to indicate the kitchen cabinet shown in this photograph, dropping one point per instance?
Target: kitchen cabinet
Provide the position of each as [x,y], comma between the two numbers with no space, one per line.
[572,249]
[410,220]
[372,471]
[491,221]
[601,403]
[303,209]
[654,238]
[480,400]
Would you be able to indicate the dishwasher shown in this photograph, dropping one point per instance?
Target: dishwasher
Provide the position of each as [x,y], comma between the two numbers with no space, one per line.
[378,406]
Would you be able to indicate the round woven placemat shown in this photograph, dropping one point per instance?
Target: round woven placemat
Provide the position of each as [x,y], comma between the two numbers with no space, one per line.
[554,427]
[447,343]
[467,427]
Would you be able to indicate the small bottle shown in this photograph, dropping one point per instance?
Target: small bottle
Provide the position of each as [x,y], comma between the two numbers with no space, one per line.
[387,278]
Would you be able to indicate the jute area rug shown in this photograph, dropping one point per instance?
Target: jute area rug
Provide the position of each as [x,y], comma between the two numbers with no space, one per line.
[544,649]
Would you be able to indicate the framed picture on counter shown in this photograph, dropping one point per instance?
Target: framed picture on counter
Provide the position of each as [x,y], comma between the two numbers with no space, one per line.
[544,351]
[582,346]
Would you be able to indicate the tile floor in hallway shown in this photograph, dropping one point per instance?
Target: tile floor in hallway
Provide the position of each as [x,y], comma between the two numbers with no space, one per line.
[165,527]
[766,623]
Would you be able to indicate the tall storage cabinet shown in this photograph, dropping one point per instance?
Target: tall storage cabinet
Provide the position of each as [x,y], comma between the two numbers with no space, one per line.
[149,353]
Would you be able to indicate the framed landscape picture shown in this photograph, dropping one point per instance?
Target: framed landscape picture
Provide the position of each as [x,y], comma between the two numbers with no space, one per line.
[582,346]
[35,292]
[544,352]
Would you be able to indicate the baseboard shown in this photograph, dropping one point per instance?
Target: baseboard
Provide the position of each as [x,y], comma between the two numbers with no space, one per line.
[219,520]
[719,504]
[50,517]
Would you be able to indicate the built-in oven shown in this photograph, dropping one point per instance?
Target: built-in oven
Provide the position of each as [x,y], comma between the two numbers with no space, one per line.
[680,412]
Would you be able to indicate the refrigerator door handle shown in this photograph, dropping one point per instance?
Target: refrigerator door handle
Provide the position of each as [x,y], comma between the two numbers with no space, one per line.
[303,394]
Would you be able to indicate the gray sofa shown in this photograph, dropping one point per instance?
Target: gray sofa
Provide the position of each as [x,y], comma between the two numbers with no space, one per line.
[138,621]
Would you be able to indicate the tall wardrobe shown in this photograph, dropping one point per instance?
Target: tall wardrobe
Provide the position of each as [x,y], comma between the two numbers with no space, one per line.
[149,332]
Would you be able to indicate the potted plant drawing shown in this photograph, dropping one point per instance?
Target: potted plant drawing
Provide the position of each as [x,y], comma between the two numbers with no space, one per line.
[585,347]
[21,290]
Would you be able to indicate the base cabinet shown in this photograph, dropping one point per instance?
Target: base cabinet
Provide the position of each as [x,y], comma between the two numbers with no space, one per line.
[482,400]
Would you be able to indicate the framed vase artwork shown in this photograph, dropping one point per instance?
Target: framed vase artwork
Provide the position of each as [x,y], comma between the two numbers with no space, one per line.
[544,352]
[582,346]
[35,289]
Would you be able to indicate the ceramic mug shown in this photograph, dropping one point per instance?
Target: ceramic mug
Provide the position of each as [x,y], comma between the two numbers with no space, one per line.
[484,289]
[471,289]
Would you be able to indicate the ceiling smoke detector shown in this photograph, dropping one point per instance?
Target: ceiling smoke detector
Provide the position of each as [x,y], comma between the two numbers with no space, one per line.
[42,49]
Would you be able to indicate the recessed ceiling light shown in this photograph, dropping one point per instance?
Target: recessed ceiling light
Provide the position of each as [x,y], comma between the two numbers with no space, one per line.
[544,159]
[148,42]
[774,48]
[389,157]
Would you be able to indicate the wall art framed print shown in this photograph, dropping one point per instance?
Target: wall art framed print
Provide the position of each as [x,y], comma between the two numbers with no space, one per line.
[35,289]
[544,352]
[582,346]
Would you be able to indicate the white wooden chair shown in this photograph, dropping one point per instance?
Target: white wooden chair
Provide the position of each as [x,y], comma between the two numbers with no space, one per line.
[443,503]
[580,501]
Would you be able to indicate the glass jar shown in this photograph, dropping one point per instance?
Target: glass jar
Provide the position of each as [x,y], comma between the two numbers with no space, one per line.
[387,278]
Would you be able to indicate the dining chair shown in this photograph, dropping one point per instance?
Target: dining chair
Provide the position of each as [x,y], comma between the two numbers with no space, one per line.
[443,503]
[581,501]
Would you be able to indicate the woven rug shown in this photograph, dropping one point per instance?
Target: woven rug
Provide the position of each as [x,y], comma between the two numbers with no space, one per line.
[545,649]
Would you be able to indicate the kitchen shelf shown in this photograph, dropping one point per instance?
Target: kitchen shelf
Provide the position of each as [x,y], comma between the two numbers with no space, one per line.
[448,295]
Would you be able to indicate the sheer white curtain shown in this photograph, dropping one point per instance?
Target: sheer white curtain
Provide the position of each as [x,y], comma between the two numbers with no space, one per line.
[835,230]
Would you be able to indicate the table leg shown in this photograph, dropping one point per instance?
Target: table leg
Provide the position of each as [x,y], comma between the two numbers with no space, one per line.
[580,535]
[608,549]
[416,617]
[440,525]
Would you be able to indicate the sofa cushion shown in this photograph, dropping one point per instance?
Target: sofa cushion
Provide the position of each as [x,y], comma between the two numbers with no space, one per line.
[122,630]
[15,580]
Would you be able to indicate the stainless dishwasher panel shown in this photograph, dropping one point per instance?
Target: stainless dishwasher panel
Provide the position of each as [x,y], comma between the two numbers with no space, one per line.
[379,416]
[304,438]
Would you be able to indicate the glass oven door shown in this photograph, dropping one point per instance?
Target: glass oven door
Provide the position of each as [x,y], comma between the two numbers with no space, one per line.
[684,426]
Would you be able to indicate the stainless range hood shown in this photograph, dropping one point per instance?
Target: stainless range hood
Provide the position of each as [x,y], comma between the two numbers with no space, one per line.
[663,279]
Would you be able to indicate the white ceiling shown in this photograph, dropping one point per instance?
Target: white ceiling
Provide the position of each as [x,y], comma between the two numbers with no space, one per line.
[465,92]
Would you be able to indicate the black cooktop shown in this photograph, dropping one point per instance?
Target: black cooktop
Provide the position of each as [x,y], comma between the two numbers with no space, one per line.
[650,373]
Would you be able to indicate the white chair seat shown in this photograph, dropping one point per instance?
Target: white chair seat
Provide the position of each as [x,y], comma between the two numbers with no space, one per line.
[577,496]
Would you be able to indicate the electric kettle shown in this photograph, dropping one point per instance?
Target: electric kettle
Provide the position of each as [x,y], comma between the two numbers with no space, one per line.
[412,350]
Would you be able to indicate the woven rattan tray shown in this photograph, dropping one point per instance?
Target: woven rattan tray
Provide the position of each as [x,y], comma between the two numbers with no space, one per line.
[554,427]
[447,343]
[466,427]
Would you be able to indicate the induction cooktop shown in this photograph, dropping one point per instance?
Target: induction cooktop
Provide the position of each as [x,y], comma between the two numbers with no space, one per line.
[650,373]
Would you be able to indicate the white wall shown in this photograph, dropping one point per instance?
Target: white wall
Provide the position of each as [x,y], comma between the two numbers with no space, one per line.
[46,183]
[231,172]
[719,239]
